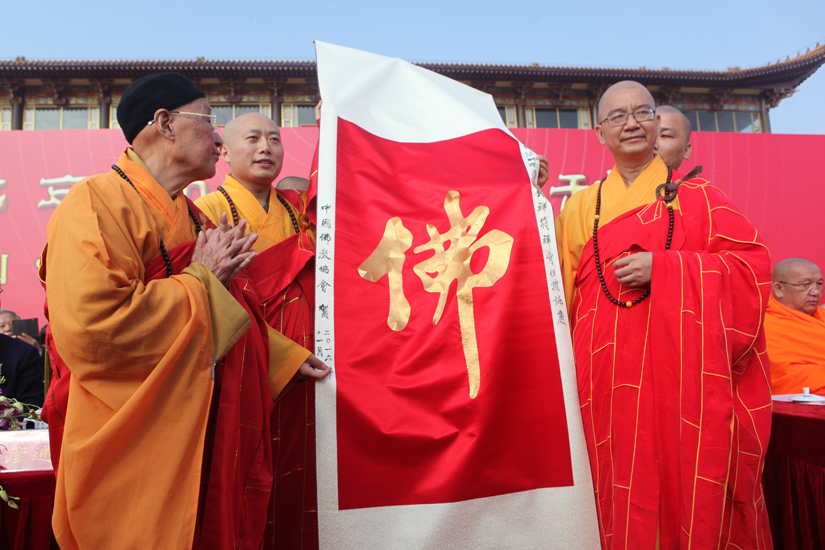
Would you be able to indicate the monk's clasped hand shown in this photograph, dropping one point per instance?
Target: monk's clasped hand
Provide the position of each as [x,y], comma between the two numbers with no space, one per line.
[225,251]
[634,270]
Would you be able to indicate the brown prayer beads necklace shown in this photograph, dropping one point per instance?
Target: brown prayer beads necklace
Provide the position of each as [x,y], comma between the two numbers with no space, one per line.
[163,252]
[667,198]
[667,192]
[235,218]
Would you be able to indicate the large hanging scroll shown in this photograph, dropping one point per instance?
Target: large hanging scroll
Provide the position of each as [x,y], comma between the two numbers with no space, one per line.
[451,419]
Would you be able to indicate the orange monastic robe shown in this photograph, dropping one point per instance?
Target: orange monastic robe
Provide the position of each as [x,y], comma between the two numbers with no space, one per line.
[796,346]
[137,353]
[284,277]
[675,391]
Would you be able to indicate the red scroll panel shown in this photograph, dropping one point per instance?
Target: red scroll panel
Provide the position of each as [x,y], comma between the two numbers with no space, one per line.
[408,432]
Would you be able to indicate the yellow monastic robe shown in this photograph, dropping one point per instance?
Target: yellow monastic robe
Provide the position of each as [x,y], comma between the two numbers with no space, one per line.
[796,347]
[141,356]
[273,226]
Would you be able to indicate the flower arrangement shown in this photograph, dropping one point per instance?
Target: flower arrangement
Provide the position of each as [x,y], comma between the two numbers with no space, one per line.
[12,412]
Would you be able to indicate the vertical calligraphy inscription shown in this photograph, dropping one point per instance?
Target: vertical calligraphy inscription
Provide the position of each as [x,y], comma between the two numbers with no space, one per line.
[4,268]
[452,255]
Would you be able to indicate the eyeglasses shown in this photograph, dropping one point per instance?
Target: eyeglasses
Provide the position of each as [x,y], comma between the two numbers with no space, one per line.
[805,287]
[213,119]
[620,119]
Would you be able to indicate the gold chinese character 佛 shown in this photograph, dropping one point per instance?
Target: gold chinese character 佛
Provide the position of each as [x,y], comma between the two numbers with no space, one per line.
[452,255]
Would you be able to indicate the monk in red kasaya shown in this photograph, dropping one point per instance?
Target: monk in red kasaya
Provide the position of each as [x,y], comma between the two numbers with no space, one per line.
[283,274]
[667,287]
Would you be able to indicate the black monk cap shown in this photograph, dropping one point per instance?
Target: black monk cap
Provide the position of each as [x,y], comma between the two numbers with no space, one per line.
[146,95]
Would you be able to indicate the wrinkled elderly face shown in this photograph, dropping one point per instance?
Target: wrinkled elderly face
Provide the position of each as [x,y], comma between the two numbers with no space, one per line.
[253,149]
[800,288]
[196,141]
[672,144]
[631,142]
[5,323]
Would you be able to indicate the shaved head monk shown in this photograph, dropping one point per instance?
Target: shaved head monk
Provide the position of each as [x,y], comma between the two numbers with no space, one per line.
[284,277]
[164,372]
[666,291]
[673,144]
[292,182]
[795,328]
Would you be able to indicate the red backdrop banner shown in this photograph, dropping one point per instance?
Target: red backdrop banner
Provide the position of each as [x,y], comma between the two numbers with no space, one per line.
[772,178]
[37,168]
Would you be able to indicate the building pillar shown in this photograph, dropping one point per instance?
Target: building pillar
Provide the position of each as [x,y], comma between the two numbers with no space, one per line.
[595,93]
[521,116]
[16,113]
[275,108]
[765,121]
[104,103]
[276,100]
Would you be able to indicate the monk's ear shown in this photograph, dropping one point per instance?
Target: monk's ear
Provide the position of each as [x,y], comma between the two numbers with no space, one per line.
[162,123]
[688,149]
[599,133]
[224,152]
[776,287]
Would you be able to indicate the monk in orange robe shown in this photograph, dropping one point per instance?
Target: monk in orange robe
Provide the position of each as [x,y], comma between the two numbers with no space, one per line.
[670,352]
[795,328]
[164,370]
[283,274]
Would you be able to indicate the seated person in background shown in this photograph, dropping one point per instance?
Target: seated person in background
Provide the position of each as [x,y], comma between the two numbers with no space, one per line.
[6,317]
[673,144]
[21,367]
[795,328]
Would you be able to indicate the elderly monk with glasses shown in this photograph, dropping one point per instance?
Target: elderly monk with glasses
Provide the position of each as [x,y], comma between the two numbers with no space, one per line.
[795,328]
[164,368]
[667,284]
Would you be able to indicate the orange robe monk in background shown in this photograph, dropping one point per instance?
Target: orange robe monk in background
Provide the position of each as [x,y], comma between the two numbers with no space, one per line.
[796,346]
[283,274]
[795,328]
[674,390]
[111,302]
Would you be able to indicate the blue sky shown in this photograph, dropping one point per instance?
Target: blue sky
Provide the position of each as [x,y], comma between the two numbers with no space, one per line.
[700,34]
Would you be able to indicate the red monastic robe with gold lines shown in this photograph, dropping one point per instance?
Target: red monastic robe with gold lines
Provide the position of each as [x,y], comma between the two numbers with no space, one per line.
[284,277]
[675,391]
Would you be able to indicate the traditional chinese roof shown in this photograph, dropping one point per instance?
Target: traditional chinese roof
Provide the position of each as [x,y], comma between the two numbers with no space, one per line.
[782,74]
[199,68]
[785,74]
